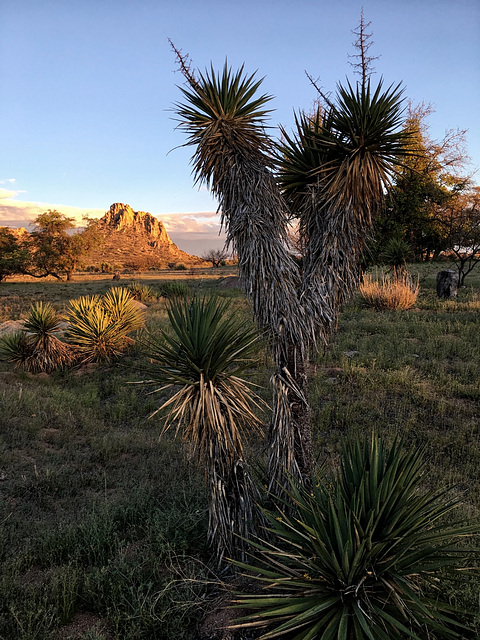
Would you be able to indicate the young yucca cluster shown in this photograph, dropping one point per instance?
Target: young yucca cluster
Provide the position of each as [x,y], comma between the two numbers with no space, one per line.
[98,326]
[95,328]
[38,348]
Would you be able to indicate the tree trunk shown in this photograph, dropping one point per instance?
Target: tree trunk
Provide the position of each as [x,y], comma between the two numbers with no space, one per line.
[301,421]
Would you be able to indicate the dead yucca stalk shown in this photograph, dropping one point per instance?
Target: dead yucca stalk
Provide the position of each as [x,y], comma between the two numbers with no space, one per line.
[389,292]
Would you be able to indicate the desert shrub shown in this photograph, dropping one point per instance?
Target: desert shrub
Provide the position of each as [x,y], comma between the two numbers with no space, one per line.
[398,291]
[177,266]
[36,348]
[98,326]
[174,290]
[363,554]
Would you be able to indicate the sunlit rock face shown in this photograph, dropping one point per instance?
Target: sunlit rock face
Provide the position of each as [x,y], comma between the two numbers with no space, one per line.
[122,216]
[128,237]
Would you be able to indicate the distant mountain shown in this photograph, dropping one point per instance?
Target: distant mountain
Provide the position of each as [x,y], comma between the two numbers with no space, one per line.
[129,238]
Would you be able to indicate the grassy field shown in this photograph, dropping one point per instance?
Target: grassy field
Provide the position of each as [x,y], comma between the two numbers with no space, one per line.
[103,522]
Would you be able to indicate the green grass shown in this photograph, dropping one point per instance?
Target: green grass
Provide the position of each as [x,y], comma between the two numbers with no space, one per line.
[102,518]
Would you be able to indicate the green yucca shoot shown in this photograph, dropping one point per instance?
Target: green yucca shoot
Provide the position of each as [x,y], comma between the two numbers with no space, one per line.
[361,555]
[42,320]
[174,290]
[121,308]
[201,360]
[141,292]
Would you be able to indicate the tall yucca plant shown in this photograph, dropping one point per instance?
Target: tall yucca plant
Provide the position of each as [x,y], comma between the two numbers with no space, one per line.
[201,360]
[331,175]
[224,121]
[362,555]
[334,171]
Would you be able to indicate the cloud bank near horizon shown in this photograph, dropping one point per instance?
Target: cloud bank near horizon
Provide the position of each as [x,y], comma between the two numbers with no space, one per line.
[191,232]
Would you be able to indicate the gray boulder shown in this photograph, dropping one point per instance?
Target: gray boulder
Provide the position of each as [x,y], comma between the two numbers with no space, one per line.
[447,283]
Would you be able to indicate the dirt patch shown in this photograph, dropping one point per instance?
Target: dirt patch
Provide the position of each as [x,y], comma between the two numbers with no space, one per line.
[230,282]
[10,326]
[80,624]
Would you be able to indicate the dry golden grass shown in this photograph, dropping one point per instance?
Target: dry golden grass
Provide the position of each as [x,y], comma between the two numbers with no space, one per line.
[389,293]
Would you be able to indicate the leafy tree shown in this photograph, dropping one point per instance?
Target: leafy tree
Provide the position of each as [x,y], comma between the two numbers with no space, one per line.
[55,251]
[429,176]
[14,256]
[460,219]
[215,256]
[331,174]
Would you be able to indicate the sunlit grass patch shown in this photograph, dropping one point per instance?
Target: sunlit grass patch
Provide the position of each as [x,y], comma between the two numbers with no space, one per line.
[389,292]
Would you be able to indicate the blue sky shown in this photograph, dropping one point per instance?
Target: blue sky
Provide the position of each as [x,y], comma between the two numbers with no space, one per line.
[87,88]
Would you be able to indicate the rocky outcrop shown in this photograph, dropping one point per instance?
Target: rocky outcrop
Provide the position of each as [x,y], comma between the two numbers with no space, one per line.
[135,239]
[123,217]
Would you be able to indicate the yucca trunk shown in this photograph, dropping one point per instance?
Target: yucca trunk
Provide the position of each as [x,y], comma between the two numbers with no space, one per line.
[256,218]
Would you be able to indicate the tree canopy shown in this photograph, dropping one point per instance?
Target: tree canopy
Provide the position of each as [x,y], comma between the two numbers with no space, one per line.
[54,248]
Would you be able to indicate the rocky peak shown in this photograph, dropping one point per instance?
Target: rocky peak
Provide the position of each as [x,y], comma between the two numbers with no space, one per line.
[122,217]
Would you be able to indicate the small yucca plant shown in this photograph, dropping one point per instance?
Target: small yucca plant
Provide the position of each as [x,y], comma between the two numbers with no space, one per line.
[396,253]
[15,349]
[36,348]
[398,291]
[98,327]
[120,306]
[174,290]
[141,292]
[362,555]
[212,406]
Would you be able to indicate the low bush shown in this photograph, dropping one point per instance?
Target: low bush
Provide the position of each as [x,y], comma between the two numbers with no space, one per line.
[389,293]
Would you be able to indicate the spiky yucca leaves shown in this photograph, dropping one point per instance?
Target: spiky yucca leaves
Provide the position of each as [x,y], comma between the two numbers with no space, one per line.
[98,326]
[334,171]
[214,407]
[363,140]
[120,306]
[225,122]
[142,292]
[36,348]
[361,557]
[16,349]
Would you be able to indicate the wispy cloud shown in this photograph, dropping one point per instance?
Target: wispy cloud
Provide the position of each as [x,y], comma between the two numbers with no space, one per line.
[202,224]
[18,213]
[4,193]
